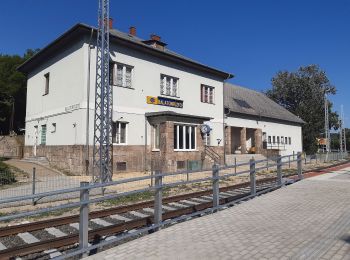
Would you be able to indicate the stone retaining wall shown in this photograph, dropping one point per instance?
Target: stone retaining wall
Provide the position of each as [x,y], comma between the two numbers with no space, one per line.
[11,146]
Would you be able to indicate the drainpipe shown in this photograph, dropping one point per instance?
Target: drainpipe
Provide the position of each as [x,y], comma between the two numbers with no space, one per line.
[223,117]
[88,107]
[145,157]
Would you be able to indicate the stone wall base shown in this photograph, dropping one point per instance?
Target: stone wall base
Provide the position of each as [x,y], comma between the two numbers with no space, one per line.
[126,158]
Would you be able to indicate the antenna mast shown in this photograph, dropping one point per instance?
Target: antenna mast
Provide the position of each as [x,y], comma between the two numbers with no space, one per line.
[102,151]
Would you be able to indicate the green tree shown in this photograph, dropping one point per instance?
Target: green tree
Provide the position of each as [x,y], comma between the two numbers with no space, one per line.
[302,93]
[12,91]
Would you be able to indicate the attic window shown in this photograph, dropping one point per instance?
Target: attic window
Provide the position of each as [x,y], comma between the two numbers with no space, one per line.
[242,103]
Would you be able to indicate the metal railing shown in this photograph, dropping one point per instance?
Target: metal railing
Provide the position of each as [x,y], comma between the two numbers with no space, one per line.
[216,174]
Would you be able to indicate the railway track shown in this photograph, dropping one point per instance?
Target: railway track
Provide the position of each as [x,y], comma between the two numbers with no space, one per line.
[48,238]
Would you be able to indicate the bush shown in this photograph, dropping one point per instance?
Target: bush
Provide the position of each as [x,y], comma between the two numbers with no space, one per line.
[6,175]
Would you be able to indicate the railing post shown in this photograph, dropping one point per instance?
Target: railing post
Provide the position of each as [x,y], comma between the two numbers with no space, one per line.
[267,163]
[158,198]
[235,165]
[289,161]
[84,218]
[33,184]
[216,199]
[300,170]
[252,177]
[279,170]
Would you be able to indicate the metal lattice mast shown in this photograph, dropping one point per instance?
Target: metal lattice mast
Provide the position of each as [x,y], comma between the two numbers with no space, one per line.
[102,151]
[326,123]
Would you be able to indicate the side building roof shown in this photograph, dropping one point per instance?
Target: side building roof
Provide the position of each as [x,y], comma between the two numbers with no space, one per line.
[247,102]
[116,36]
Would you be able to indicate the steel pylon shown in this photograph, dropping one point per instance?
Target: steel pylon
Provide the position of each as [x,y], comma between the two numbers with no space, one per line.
[102,150]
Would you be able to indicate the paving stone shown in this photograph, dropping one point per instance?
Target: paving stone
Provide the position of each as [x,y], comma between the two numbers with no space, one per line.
[304,220]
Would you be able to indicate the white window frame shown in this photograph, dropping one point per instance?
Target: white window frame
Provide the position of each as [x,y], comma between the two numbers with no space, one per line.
[192,128]
[47,84]
[155,137]
[54,126]
[211,90]
[116,133]
[163,87]
[207,139]
[115,75]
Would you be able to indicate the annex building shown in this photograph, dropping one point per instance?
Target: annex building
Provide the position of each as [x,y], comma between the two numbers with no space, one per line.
[169,112]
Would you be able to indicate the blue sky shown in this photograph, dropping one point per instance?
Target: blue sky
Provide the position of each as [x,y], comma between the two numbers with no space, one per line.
[253,39]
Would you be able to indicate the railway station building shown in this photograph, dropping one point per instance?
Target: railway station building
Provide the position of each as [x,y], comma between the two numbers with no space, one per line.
[169,112]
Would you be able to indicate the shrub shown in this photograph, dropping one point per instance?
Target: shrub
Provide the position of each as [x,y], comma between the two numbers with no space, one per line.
[6,175]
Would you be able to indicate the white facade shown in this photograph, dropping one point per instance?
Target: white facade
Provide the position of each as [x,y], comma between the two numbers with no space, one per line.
[64,109]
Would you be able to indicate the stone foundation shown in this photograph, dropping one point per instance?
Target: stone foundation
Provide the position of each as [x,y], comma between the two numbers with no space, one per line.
[132,158]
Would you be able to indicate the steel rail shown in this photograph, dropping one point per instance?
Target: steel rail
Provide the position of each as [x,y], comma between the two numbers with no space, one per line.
[97,234]
[12,230]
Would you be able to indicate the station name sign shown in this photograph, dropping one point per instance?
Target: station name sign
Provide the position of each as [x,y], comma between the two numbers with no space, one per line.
[162,101]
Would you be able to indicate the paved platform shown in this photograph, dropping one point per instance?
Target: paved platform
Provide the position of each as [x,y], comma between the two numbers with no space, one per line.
[306,220]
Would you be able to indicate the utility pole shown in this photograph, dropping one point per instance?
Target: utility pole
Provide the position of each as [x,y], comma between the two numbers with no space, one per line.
[342,132]
[102,150]
[340,122]
[326,123]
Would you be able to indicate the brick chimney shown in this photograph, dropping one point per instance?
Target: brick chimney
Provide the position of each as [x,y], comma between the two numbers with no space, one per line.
[155,42]
[155,37]
[110,23]
[132,31]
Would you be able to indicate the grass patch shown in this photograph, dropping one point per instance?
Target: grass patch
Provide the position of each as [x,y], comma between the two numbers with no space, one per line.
[53,213]
[133,198]
[6,175]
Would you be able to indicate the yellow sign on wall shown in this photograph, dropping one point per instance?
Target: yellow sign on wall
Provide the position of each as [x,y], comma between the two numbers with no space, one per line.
[163,101]
[152,100]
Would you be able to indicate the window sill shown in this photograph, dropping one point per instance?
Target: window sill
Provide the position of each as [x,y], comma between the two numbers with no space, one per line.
[208,103]
[119,86]
[115,144]
[169,96]
[155,150]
